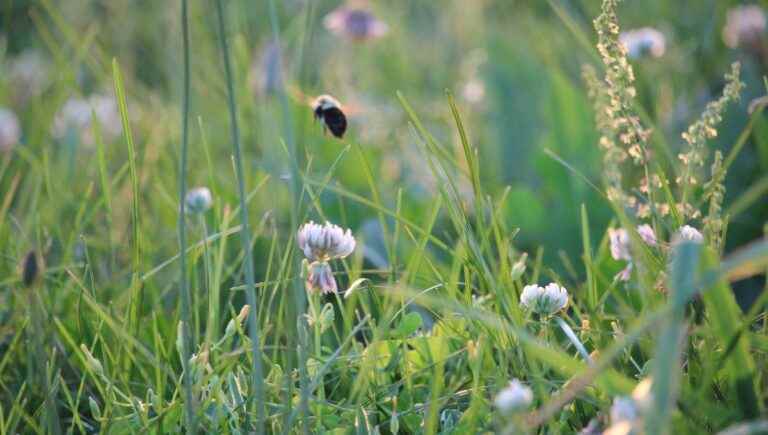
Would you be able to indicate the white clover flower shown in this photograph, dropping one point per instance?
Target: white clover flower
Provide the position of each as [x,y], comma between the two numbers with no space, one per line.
[645,41]
[544,300]
[689,233]
[10,130]
[355,23]
[198,200]
[320,278]
[744,26]
[620,242]
[515,397]
[325,242]
[620,246]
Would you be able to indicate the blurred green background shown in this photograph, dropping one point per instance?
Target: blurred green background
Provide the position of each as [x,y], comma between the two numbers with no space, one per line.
[514,67]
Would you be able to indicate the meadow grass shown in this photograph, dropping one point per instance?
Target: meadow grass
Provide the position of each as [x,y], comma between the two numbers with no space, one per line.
[482,287]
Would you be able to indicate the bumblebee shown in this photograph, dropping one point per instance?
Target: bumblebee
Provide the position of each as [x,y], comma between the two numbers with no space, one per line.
[328,111]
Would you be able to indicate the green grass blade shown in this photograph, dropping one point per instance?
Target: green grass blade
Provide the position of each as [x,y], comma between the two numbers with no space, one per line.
[257,378]
[724,317]
[186,317]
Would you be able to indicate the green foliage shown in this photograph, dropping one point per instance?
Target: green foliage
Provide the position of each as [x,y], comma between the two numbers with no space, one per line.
[489,147]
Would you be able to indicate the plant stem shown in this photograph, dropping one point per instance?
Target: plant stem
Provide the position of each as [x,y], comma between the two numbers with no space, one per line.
[185,295]
[212,324]
[315,305]
[245,234]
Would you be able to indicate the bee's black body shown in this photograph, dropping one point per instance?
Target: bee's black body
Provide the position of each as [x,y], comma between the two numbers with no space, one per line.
[328,111]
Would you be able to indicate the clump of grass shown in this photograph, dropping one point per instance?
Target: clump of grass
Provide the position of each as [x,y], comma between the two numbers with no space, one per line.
[424,316]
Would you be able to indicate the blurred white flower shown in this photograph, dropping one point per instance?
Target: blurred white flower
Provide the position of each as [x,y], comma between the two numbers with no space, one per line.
[627,412]
[647,234]
[544,300]
[623,427]
[689,233]
[515,397]
[355,22]
[10,129]
[744,26]
[623,409]
[473,91]
[325,242]
[642,395]
[645,41]
[620,246]
[198,200]
[75,116]
[625,273]
[28,73]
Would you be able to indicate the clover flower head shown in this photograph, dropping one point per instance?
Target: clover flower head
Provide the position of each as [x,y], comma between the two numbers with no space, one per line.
[516,396]
[689,233]
[320,278]
[744,26]
[620,242]
[325,242]
[647,234]
[619,239]
[355,22]
[642,42]
[544,300]
[198,200]
[10,129]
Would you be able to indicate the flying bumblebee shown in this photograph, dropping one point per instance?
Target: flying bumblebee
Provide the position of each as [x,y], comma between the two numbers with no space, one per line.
[328,111]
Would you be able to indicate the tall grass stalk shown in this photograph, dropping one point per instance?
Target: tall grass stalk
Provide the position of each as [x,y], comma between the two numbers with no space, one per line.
[189,407]
[245,232]
[299,295]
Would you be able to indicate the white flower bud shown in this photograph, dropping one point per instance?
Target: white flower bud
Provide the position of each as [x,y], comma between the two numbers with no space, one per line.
[92,363]
[198,200]
[518,269]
